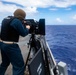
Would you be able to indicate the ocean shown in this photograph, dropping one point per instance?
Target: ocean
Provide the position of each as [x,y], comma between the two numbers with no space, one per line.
[62,42]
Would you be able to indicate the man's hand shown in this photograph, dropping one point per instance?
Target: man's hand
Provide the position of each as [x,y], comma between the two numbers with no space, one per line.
[27,26]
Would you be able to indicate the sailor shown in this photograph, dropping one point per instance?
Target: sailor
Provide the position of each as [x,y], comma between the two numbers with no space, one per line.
[11,29]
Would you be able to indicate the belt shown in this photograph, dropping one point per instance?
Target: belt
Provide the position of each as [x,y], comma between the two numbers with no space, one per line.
[8,42]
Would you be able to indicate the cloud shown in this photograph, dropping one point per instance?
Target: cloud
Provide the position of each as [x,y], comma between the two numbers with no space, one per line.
[74,17]
[32,5]
[44,3]
[64,3]
[54,9]
[31,10]
[9,8]
[59,20]
[68,9]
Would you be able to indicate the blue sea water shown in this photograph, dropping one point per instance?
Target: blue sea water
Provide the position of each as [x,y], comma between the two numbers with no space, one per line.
[62,42]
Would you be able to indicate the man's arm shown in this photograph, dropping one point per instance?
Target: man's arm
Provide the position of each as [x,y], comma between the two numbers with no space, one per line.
[19,27]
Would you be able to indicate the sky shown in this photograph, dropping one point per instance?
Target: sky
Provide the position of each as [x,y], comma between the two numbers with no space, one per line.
[55,12]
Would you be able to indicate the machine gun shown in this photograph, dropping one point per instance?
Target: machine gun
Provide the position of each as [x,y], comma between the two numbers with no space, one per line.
[42,61]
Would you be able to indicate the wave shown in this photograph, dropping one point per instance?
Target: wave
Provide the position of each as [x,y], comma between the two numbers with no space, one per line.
[62,42]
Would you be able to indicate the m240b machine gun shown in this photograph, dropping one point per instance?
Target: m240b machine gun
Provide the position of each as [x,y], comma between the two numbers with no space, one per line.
[42,61]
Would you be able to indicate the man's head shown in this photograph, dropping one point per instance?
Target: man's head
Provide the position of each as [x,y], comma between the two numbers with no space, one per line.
[20,14]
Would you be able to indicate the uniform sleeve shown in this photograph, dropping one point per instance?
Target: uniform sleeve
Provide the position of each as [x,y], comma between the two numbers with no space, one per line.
[19,27]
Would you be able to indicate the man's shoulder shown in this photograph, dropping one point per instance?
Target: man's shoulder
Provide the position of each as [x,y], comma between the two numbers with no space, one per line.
[9,17]
[15,19]
[16,22]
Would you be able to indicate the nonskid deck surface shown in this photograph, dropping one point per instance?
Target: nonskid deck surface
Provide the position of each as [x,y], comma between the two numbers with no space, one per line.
[24,49]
